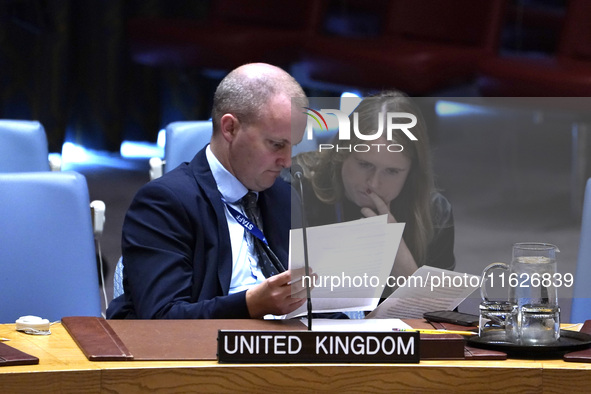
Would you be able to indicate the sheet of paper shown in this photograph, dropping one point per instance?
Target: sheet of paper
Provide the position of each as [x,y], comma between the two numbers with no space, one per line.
[350,260]
[427,289]
[357,325]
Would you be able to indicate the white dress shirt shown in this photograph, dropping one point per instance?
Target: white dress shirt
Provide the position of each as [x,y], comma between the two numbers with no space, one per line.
[245,269]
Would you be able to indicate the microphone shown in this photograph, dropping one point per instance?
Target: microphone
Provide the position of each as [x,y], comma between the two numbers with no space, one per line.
[292,174]
[297,173]
[97,208]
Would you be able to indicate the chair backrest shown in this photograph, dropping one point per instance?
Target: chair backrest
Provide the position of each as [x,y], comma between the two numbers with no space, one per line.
[300,15]
[47,254]
[459,22]
[184,140]
[575,39]
[23,146]
[581,304]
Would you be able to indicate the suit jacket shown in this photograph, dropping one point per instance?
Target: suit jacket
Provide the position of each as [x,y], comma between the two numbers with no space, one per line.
[176,246]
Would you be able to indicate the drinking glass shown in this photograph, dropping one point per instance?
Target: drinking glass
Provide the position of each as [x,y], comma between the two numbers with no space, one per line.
[531,279]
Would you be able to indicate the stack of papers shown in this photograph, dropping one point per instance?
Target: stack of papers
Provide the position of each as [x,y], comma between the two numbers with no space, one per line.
[358,325]
[352,261]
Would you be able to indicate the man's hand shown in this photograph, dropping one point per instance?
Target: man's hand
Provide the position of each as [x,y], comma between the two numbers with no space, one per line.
[274,296]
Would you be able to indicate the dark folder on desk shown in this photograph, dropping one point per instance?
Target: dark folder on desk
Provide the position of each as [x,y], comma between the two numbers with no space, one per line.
[159,340]
[12,356]
[97,340]
[581,356]
[471,353]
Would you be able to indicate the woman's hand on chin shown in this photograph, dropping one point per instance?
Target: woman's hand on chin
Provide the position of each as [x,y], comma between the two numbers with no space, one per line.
[381,207]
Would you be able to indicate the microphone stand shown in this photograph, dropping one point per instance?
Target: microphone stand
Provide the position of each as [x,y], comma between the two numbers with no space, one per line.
[298,176]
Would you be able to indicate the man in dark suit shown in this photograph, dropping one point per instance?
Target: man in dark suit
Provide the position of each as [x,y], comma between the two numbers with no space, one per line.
[185,253]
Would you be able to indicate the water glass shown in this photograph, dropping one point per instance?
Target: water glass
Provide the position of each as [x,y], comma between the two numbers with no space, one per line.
[498,321]
[539,325]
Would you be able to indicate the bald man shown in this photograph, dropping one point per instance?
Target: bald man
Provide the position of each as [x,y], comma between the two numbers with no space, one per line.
[186,251]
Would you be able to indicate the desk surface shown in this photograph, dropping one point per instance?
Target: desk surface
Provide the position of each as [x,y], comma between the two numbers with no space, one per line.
[64,368]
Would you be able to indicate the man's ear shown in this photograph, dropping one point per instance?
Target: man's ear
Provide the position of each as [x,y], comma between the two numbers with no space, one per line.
[229,125]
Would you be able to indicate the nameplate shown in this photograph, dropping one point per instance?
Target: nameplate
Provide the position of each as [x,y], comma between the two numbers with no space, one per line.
[317,347]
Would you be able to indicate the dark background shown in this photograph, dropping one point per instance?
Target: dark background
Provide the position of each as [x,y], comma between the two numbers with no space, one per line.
[67,64]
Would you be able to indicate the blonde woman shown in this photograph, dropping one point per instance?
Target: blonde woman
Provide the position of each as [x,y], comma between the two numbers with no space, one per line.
[345,185]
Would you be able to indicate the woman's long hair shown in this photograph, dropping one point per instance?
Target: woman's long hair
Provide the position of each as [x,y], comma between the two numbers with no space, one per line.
[413,204]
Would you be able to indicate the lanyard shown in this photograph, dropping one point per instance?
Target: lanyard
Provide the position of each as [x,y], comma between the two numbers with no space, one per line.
[247,224]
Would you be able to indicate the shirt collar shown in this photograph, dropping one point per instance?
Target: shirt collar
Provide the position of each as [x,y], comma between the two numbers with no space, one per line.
[231,189]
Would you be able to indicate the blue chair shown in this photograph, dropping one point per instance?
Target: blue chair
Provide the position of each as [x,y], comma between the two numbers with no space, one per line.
[47,254]
[581,305]
[23,146]
[183,140]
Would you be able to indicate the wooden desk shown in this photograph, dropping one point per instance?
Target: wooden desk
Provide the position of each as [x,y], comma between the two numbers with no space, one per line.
[63,368]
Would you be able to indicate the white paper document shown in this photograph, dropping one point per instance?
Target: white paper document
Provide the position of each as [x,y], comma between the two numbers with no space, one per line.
[427,289]
[350,260]
[357,325]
